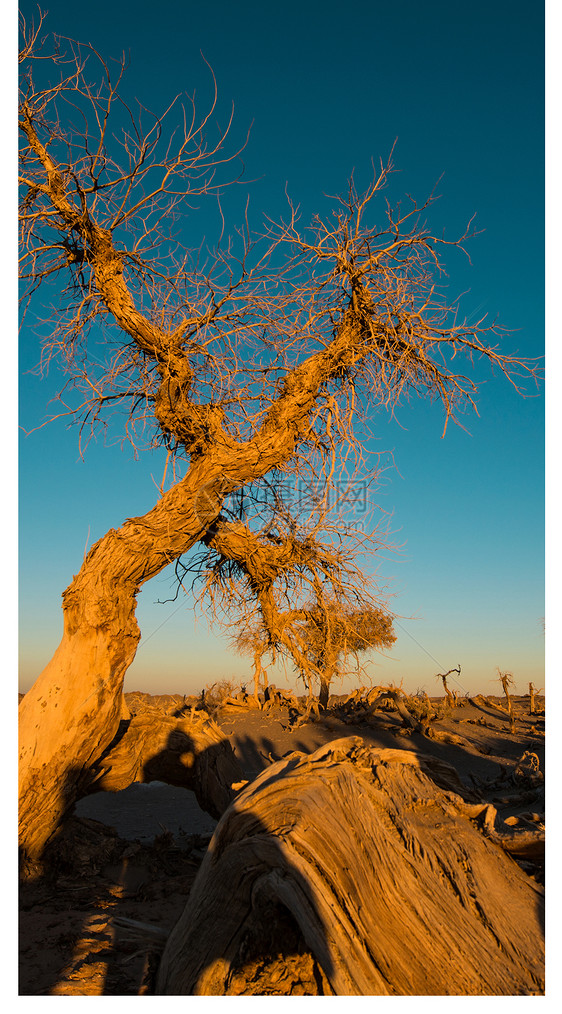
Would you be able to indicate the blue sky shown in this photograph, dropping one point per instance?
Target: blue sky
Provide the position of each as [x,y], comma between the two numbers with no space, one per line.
[325,89]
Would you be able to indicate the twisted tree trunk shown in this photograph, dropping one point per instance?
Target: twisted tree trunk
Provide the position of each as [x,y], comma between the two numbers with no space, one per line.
[356,872]
[71,713]
[324,695]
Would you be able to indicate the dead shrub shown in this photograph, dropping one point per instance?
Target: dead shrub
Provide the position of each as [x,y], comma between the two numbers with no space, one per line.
[215,694]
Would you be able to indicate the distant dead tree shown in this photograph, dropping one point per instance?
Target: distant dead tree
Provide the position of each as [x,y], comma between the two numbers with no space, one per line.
[532,694]
[443,677]
[507,681]
[248,365]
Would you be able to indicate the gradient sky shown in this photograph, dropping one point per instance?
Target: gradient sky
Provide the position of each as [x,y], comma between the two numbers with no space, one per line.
[326,88]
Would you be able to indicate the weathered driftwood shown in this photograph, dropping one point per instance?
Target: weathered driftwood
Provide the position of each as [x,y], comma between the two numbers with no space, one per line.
[523,842]
[189,752]
[272,697]
[352,872]
[527,770]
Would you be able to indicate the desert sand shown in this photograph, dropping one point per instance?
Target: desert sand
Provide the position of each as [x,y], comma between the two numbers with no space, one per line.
[131,857]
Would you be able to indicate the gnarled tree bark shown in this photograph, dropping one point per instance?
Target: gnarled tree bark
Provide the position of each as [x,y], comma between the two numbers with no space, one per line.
[356,872]
[72,712]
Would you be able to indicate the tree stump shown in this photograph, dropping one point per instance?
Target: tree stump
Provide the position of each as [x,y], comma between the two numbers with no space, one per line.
[356,872]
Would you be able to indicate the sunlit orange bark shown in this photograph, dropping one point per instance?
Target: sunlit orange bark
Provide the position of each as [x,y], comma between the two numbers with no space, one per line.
[71,713]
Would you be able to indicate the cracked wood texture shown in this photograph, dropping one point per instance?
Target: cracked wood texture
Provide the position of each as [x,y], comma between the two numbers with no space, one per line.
[355,872]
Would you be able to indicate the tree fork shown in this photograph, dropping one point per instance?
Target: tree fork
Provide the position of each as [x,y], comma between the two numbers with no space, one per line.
[72,711]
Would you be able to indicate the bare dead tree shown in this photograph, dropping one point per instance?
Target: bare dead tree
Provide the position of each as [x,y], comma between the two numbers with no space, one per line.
[247,363]
[443,677]
[532,694]
[507,681]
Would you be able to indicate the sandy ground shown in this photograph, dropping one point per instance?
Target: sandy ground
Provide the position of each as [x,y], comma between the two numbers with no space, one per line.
[135,854]
[142,812]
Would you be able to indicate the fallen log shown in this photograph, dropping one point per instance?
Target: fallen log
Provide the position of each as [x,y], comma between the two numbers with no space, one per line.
[485,702]
[351,872]
[237,705]
[191,752]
